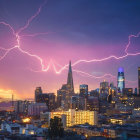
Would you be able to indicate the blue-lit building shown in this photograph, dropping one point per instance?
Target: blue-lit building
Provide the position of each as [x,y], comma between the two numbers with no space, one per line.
[121,80]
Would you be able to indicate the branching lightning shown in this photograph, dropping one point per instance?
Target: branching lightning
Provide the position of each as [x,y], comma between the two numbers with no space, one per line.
[44,68]
[18,38]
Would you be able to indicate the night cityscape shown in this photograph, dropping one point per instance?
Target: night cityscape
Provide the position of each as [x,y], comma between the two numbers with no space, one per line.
[70,70]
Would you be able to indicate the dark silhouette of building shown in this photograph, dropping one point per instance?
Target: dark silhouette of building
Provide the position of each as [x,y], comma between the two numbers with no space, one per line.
[70,79]
[38,91]
[84,90]
[51,104]
[128,91]
[139,80]
[92,103]
[75,102]
[104,87]
[48,98]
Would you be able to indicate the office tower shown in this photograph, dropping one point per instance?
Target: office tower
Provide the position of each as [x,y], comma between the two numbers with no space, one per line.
[84,90]
[61,94]
[104,87]
[51,103]
[135,91]
[75,102]
[94,93]
[139,80]
[66,92]
[38,91]
[43,98]
[92,103]
[70,79]
[112,90]
[121,80]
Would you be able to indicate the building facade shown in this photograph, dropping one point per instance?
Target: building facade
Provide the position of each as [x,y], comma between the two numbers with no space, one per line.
[121,80]
[35,109]
[84,90]
[72,117]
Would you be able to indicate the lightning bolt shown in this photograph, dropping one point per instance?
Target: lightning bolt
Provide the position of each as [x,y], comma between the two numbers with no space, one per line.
[31,18]
[44,68]
[18,38]
[85,74]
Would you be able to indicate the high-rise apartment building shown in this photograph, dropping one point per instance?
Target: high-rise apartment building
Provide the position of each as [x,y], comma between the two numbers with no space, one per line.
[72,117]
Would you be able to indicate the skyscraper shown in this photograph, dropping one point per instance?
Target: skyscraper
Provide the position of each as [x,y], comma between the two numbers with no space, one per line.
[121,80]
[84,90]
[66,92]
[70,79]
[139,80]
[38,91]
[104,87]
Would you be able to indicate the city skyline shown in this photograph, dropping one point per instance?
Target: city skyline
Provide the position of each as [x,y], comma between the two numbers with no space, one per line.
[90,34]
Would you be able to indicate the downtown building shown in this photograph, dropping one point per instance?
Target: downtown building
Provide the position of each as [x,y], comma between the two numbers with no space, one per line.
[103,90]
[66,92]
[83,90]
[21,107]
[121,80]
[78,103]
[47,98]
[34,109]
[104,87]
[72,117]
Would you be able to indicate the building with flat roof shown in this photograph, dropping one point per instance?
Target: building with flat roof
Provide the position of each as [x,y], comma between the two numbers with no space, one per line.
[72,117]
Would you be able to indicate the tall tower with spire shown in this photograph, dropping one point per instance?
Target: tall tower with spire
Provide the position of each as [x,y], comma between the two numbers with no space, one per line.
[70,79]
[66,92]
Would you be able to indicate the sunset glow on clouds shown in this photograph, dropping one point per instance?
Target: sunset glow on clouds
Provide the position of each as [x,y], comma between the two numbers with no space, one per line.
[7,94]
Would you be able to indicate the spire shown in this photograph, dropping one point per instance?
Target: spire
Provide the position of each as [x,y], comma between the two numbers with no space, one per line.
[70,70]
[70,78]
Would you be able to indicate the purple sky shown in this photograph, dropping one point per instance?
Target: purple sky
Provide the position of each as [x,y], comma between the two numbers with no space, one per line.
[77,29]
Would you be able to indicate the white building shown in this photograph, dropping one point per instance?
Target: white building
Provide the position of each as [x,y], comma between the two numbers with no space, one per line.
[72,117]
[13,128]
[27,130]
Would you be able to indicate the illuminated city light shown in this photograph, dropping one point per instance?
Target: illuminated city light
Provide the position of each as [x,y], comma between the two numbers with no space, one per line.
[26,120]
[106,110]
